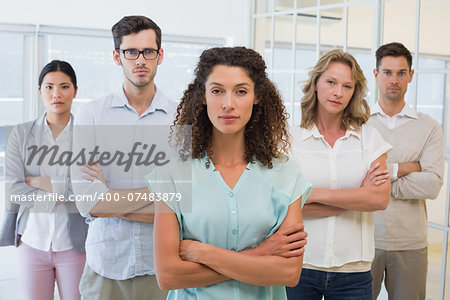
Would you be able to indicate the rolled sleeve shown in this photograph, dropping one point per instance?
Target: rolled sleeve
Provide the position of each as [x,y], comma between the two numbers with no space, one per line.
[427,183]
[87,194]
[393,171]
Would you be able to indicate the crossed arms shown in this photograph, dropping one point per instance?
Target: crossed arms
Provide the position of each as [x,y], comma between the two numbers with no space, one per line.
[422,179]
[276,261]
[373,194]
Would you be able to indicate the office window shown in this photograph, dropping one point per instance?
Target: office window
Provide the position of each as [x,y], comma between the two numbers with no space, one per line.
[11,88]
[91,58]
[11,78]
[177,68]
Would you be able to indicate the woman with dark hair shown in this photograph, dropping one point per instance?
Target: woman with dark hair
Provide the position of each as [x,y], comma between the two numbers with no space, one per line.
[48,230]
[346,161]
[244,189]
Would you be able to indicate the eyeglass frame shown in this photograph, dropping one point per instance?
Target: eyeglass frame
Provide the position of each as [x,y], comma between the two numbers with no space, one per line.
[139,53]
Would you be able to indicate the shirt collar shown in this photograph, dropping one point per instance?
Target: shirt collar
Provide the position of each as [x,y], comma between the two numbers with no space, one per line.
[42,124]
[350,132]
[314,132]
[407,111]
[119,99]
[42,120]
[212,168]
[159,102]
[376,109]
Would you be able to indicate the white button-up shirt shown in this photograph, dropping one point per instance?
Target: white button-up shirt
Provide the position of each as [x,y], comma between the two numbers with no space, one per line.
[48,231]
[347,238]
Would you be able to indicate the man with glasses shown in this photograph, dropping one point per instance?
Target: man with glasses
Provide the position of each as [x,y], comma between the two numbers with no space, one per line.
[119,245]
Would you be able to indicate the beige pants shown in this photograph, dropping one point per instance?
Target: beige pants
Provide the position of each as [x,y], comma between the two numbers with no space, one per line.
[96,287]
[404,273]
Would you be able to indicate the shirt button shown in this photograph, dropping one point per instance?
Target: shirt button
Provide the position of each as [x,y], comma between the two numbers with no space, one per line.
[233,212]
[230,194]
[234,231]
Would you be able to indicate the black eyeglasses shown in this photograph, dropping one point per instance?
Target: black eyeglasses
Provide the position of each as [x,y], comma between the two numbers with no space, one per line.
[133,54]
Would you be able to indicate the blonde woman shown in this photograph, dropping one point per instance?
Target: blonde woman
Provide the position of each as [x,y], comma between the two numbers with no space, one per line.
[345,160]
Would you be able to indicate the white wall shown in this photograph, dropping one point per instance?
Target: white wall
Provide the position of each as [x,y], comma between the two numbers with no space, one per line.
[210,18]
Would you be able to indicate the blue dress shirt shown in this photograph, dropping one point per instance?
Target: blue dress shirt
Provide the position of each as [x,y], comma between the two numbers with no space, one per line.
[117,248]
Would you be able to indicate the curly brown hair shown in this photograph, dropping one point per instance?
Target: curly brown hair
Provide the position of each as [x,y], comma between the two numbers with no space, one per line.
[266,133]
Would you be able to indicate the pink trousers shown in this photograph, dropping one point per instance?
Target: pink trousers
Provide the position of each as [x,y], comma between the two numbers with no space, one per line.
[38,270]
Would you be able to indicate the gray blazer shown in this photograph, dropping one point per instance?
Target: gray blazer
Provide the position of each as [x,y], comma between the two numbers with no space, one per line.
[23,136]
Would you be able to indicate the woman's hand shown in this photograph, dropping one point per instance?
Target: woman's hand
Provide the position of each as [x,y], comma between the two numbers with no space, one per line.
[94,172]
[39,182]
[375,177]
[192,250]
[287,242]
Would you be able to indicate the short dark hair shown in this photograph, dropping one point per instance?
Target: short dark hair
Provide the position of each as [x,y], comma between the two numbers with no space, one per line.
[393,49]
[134,24]
[58,65]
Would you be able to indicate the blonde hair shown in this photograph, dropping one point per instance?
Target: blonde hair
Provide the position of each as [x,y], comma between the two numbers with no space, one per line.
[357,111]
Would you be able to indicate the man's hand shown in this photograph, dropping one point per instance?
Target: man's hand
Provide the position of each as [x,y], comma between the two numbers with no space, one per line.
[39,182]
[286,242]
[375,177]
[93,172]
[404,168]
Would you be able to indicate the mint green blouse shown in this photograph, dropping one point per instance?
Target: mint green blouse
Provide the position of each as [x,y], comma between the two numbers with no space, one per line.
[234,219]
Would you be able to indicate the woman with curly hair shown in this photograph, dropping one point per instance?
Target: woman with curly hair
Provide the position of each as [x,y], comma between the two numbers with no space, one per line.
[346,161]
[244,190]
